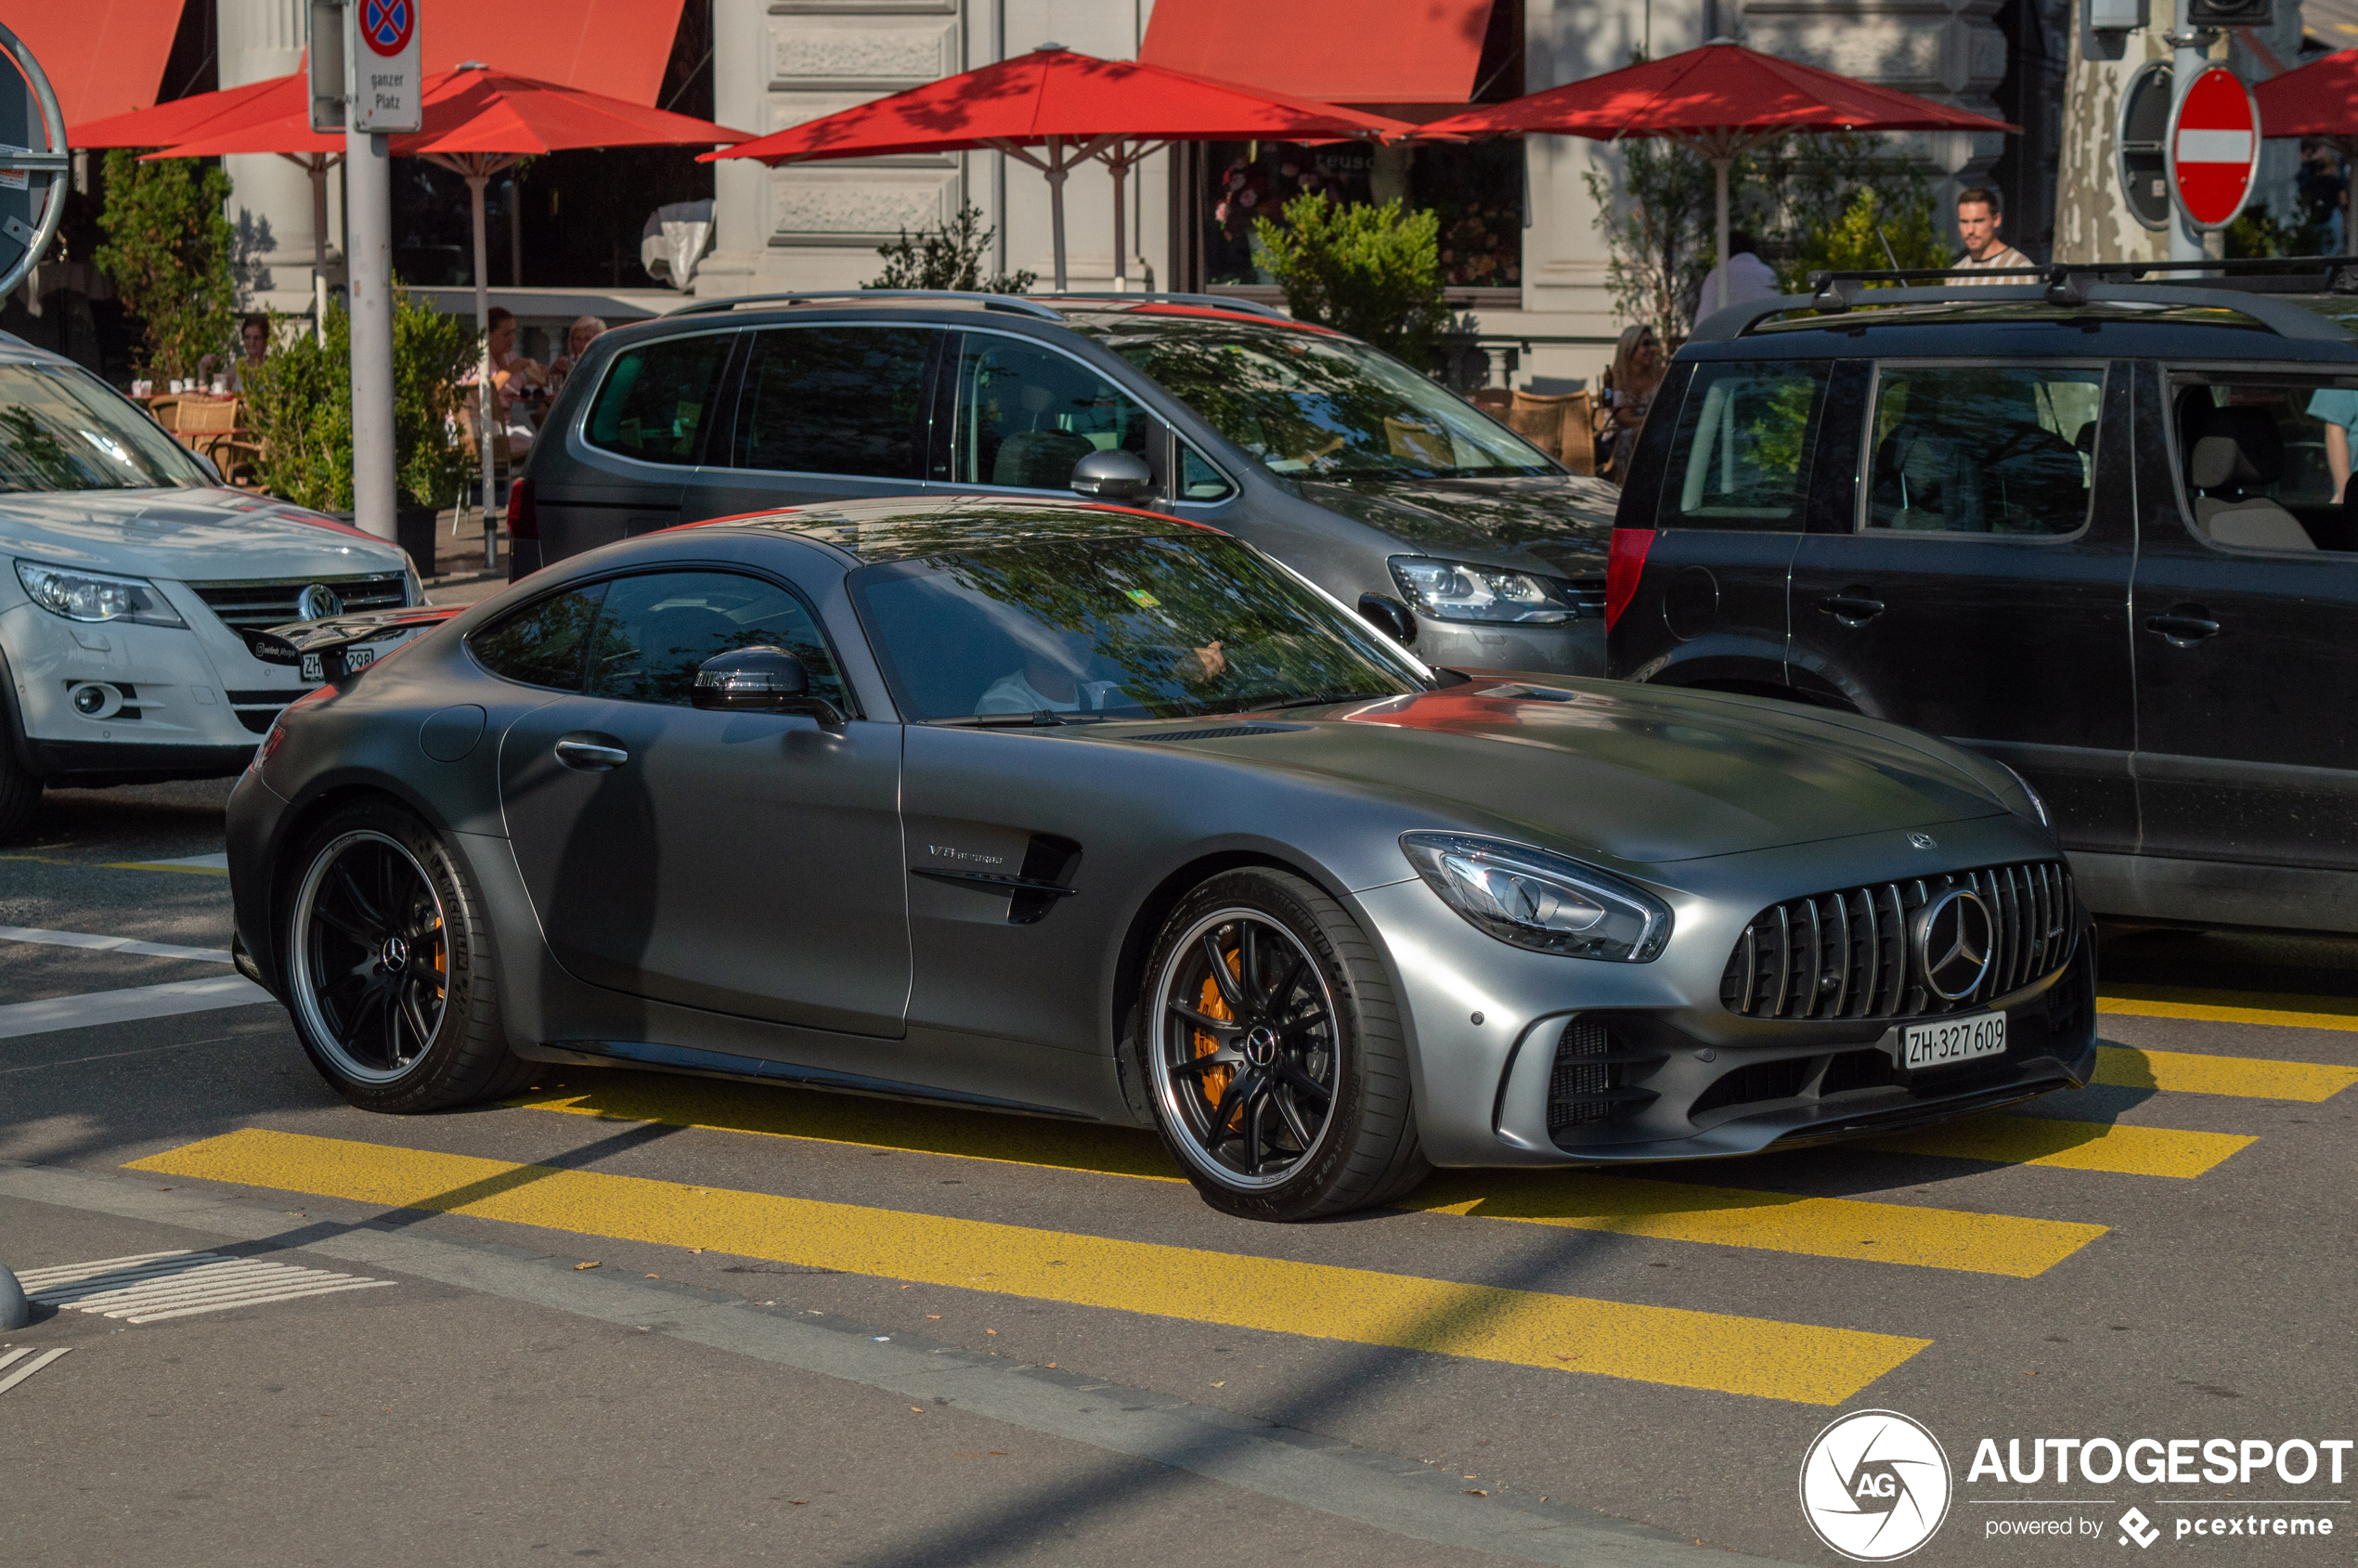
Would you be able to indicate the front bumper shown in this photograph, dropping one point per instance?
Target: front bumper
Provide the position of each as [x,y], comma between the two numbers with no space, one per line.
[1689,1079]
[1574,648]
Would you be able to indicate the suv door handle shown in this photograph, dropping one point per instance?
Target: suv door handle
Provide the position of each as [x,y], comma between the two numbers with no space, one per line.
[1852,606]
[589,755]
[2185,624]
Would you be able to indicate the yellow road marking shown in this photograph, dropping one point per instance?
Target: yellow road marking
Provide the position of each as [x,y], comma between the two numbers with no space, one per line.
[2229,1006]
[1673,1345]
[159,866]
[2079,1145]
[848,1119]
[1824,1228]
[2184,1073]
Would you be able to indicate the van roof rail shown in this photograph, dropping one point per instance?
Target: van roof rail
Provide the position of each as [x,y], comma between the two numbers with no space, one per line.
[1013,303]
[1213,302]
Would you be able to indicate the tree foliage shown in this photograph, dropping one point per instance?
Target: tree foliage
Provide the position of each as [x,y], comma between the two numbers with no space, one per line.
[299,402]
[1870,235]
[1373,272]
[1659,239]
[950,256]
[169,252]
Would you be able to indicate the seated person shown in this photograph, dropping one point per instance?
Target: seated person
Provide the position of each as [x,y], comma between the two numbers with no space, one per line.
[584,332]
[516,378]
[1054,679]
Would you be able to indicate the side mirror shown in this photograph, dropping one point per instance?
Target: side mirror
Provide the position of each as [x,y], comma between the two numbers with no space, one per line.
[759,681]
[1114,475]
[1392,618]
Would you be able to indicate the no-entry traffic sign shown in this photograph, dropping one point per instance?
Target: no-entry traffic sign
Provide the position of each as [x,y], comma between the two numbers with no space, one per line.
[2213,149]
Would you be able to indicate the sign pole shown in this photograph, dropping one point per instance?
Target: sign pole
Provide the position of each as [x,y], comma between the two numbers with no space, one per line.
[2191,58]
[383,93]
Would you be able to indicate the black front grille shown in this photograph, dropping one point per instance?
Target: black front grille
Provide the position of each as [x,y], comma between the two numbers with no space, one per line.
[272,602]
[1845,954]
[1589,595]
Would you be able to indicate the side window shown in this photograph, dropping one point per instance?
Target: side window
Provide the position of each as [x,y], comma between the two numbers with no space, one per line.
[658,627]
[835,400]
[2267,462]
[1740,458]
[1983,449]
[656,399]
[1199,481]
[541,644]
[1026,414]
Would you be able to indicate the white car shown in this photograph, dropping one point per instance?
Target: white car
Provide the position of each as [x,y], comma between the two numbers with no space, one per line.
[126,565]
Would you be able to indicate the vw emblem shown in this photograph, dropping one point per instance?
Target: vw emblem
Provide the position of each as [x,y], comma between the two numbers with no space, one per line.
[318,602]
[1954,943]
[1923,841]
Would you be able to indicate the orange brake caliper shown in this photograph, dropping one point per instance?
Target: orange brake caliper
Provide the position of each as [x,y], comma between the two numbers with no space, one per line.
[1214,1081]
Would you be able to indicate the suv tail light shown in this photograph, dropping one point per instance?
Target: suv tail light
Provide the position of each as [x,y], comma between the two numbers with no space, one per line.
[523,519]
[1622,567]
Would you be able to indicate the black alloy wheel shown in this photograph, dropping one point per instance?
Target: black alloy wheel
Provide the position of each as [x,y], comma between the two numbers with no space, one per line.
[1277,1074]
[388,967]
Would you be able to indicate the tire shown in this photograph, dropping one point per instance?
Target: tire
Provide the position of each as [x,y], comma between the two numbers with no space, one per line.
[1270,1047]
[19,791]
[391,975]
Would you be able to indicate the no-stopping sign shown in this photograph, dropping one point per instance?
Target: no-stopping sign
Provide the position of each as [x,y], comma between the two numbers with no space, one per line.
[2213,149]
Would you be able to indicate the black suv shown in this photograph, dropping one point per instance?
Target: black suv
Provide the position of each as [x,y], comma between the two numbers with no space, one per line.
[1402,500]
[2093,529]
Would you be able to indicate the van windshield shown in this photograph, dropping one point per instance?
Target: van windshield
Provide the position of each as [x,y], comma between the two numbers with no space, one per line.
[1326,407]
[62,429]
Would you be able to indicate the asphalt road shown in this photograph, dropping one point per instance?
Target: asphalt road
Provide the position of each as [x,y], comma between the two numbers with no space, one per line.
[657,1319]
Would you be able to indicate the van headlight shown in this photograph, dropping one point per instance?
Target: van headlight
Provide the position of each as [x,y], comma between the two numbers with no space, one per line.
[1460,590]
[1538,900]
[94,596]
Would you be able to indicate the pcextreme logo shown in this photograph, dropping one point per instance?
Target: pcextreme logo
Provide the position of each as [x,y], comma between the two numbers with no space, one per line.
[1874,1485]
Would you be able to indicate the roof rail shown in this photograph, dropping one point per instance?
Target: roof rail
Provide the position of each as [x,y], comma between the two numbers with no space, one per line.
[1013,303]
[2243,290]
[1215,302]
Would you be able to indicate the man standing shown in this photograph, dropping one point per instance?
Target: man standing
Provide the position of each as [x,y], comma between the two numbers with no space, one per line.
[1978,218]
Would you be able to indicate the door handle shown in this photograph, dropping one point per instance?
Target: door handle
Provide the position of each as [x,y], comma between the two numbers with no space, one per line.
[2183,625]
[589,756]
[1852,606]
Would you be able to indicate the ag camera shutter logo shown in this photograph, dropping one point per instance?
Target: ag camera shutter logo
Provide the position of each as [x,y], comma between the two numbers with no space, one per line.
[1874,1485]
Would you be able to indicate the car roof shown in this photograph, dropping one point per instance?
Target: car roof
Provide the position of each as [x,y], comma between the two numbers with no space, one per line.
[1090,315]
[2164,322]
[904,528]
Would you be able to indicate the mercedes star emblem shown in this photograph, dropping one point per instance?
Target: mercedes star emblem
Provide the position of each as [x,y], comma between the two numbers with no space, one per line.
[1954,943]
[1923,841]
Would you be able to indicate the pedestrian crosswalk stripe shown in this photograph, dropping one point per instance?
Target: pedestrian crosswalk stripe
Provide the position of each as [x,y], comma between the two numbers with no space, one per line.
[2229,1006]
[1826,1227]
[2079,1145]
[129,1004]
[1717,1351]
[2184,1073]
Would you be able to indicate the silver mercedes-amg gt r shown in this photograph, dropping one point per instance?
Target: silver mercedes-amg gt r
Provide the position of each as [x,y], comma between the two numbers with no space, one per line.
[1079,811]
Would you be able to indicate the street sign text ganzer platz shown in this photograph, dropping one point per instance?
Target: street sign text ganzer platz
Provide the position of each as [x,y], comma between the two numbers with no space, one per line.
[386,86]
[2214,148]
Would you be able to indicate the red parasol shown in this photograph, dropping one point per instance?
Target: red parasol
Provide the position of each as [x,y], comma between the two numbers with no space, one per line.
[1717,99]
[1075,107]
[2318,99]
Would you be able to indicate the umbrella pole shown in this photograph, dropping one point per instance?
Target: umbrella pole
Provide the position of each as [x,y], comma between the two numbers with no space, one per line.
[318,165]
[1120,227]
[1719,176]
[1056,170]
[486,431]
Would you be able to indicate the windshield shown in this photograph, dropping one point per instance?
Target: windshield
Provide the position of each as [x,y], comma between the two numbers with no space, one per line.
[63,430]
[1326,407]
[1114,629]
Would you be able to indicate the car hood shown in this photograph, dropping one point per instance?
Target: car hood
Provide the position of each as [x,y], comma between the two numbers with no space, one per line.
[1561,522]
[1629,775]
[204,534]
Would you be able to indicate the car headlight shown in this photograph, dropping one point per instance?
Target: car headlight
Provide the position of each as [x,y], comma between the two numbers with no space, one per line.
[2038,801]
[1536,899]
[94,596]
[1459,591]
